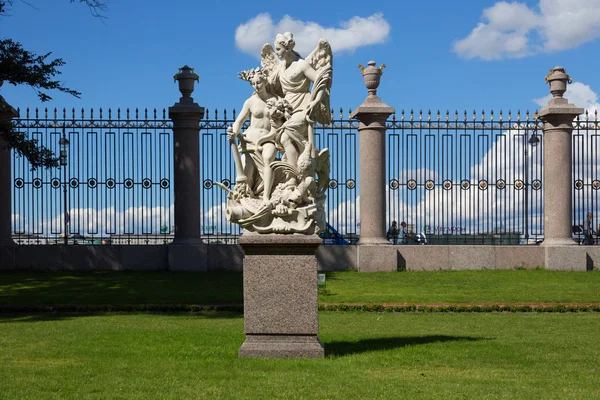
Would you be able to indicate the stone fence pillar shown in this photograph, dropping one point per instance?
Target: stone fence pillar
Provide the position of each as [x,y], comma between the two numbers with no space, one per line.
[188,251]
[372,115]
[557,117]
[7,113]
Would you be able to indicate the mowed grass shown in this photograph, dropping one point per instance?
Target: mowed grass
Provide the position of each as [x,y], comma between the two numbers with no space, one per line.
[439,287]
[506,287]
[368,356]
[119,287]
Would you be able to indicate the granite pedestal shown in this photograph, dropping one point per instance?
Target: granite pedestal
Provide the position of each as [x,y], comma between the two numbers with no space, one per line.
[280,296]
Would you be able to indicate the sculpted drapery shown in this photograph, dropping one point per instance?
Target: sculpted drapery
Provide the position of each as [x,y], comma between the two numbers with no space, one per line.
[285,194]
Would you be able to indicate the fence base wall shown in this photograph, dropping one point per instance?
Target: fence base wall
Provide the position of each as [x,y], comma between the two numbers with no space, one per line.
[190,257]
[329,257]
[433,258]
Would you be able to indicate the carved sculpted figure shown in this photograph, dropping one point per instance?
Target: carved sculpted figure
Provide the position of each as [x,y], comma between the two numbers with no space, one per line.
[256,172]
[286,194]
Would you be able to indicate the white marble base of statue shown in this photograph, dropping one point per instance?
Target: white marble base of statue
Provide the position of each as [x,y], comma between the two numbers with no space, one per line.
[284,195]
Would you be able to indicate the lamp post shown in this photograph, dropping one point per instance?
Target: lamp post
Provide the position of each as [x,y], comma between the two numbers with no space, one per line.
[64,144]
[533,141]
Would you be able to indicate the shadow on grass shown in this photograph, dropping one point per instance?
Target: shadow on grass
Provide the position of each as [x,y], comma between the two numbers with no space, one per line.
[63,316]
[366,345]
[12,318]
[24,288]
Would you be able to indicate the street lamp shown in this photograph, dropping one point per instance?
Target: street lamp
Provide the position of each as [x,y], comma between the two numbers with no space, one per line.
[533,141]
[64,144]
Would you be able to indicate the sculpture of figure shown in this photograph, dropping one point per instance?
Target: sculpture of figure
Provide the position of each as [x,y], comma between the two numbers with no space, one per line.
[287,195]
[256,159]
[291,78]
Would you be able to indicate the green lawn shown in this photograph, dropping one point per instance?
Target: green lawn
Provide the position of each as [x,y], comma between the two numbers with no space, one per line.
[119,287]
[368,356]
[510,286]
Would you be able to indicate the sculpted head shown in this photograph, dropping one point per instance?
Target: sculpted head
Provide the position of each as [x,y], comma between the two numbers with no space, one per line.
[258,81]
[256,77]
[284,44]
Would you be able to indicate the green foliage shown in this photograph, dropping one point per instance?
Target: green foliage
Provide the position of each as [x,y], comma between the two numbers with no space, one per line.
[38,156]
[19,66]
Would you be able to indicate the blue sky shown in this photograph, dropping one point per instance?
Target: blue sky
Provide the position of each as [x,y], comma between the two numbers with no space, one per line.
[482,55]
[440,54]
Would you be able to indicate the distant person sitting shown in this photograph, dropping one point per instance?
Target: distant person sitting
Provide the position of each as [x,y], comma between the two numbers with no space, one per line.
[404,233]
[392,233]
[589,232]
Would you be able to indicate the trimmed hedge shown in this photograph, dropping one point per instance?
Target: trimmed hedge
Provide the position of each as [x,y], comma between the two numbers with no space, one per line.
[195,308]
[461,308]
[166,308]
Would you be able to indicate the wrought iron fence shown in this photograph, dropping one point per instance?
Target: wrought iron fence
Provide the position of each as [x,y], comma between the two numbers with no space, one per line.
[466,178]
[460,178]
[586,177]
[115,187]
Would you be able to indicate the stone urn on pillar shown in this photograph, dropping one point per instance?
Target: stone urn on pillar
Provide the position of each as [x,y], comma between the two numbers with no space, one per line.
[558,79]
[372,76]
[186,77]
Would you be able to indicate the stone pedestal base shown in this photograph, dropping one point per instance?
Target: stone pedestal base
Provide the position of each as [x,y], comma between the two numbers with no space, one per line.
[565,258]
[280,296]
[377,258]
[281,346]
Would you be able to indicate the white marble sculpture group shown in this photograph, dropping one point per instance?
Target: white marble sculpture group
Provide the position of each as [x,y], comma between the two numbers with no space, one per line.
[286,195]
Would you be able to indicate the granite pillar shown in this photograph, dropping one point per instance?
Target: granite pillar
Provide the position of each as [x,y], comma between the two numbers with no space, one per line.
[6,114]
[280,296]
[557,117]
[372,115]
[187,250]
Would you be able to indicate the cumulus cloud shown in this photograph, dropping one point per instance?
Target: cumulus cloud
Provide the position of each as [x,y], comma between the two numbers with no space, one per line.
[344,214]
[514,30]
[350,35]
[579,94]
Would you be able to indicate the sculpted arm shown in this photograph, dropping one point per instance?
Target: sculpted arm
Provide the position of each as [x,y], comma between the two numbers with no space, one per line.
[241,118]
[309,71]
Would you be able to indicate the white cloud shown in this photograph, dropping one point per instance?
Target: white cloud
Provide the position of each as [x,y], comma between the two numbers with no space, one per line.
[568,24]
[513,30]
[345,216]
[579,94]
[352,34]
[99,222]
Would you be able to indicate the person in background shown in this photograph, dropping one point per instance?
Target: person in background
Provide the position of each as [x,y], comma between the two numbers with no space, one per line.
[589,232]
[404,234]
[392,233]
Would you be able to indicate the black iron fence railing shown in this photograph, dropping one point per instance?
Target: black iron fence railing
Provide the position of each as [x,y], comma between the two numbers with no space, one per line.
[586,176]
[466,178]
[115,186]
[458,178]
